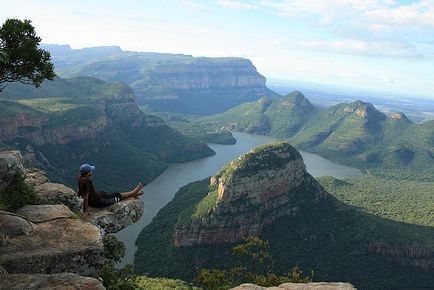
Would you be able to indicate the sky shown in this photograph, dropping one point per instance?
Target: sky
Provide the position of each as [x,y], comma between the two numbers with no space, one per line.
[384,46]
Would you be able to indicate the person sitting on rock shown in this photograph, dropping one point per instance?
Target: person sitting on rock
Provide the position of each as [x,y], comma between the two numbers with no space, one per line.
[94,198]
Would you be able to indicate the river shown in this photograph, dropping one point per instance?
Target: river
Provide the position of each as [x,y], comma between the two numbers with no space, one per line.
[162,189]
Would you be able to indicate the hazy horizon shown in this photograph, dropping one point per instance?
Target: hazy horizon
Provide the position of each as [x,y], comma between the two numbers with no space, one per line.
[384,46]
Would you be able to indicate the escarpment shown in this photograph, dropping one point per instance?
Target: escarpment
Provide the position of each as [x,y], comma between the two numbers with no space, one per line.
[47,245]
[204,73]
[248,194]
[171,82]
[58,128]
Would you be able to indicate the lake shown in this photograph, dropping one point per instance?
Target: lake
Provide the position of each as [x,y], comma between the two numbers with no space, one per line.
[162,189]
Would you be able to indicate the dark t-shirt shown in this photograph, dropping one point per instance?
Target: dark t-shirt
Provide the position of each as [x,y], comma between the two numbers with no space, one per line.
[85,185]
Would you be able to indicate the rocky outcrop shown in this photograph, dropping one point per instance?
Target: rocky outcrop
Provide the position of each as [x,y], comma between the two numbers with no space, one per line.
[249,193]
[44,213]
[56,193]
[299,286]
[64,281]
[11,165]
[35,176]
[398,116]
[53,243]
[117,216]
[41,246]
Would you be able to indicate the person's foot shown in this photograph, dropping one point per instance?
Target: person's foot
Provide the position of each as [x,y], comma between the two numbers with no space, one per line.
[138,187]
[139,193]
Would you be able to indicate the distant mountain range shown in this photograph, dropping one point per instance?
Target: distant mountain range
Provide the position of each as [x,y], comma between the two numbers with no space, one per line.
[168,82]
[353,133]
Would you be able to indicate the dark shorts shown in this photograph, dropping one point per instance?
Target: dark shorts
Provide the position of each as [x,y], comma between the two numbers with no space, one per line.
[109,198]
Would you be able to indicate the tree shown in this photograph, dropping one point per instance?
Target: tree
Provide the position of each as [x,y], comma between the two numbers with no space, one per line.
[20,58]
[255,266]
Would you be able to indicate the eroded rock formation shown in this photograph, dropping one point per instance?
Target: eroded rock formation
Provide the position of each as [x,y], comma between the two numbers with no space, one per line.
[249,193]
[117,216]
[64,281]
[47,246]
[53,243]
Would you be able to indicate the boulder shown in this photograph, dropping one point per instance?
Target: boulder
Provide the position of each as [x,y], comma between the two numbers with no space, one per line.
[11,164]
[44,213]
[299,286]
[52,246]
[12,225]
[35,176]
[55,193]
[64,281]
[118,216]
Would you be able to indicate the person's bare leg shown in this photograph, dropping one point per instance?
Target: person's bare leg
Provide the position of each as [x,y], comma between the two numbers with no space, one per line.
[134,193]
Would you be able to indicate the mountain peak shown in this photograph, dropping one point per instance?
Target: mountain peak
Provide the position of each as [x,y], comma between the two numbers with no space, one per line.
[364,110]
[398,116]
[253,190]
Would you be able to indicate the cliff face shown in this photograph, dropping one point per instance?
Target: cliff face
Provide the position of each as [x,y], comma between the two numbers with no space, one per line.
[46,246]
[36,130]
[169,82]
[204,73]
[248,194]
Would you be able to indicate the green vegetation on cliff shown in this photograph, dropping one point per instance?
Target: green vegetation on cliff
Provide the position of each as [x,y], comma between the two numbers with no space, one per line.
[399,200]
[355,134]
[168,82]
[331,236]
[88,120]
[282,117]
[187,125]
[17,194]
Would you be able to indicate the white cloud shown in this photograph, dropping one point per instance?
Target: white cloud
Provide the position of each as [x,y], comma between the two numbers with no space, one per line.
[232,4]
[416,15]
[354,46]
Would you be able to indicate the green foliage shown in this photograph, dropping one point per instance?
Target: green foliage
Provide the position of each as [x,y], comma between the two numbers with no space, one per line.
[148,283]
[113,248]
[116,279]
[205,205]
[399,200]
[78,91]
[331,237]
[282,117]
[257,159]
[17,194]
[8,108]
[188,126]
[255,266]
[22,60]
[355,134]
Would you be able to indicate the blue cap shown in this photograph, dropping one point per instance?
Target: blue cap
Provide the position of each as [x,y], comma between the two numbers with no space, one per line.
[85,168]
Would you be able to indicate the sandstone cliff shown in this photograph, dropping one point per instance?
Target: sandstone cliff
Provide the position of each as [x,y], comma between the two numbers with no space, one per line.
[204,73]
[248,194]
[46,246]
[170,82]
